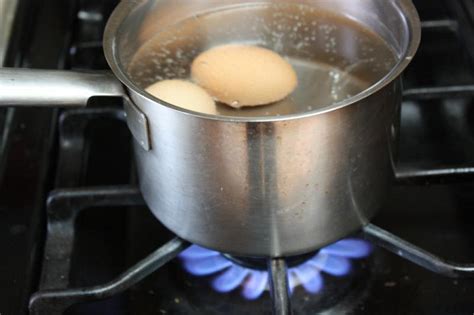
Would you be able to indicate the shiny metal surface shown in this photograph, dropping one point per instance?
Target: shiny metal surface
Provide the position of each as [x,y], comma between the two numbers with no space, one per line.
[250,186]
[272,188]
[53,88]
[267,186]
[29,87]
[138,124]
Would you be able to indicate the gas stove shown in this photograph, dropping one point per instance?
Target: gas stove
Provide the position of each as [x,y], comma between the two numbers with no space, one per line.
[80,239]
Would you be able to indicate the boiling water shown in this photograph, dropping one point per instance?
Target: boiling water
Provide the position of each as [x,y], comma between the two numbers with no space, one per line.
[335,57]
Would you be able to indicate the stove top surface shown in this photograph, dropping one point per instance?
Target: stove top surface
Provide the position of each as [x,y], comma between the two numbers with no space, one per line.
[379,284]
[432,204]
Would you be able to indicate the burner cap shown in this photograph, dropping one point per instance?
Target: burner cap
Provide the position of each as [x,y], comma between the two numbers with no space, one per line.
[262,263]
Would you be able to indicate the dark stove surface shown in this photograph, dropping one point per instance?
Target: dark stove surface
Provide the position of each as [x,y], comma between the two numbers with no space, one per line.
[432,204]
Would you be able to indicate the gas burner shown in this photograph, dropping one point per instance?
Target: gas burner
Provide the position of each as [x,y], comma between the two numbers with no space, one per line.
[262,264]
[232,272]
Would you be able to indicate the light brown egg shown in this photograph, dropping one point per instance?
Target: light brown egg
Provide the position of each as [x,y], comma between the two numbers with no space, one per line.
[241,75]
[184,94]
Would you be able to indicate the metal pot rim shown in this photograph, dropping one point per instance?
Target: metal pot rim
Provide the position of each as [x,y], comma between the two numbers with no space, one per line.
[123,9]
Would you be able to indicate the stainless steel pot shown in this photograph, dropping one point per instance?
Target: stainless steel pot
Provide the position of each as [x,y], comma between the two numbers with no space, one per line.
[271,186]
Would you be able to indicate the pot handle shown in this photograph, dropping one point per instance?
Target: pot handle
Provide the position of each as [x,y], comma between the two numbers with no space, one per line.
[54,88]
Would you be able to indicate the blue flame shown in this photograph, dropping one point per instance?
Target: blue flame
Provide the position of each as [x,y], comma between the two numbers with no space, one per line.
[334,259]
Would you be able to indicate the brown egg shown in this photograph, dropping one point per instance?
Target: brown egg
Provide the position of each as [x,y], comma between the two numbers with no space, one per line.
[240,75]
[184,94]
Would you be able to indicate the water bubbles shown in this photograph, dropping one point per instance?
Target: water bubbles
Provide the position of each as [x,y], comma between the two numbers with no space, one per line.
[296,31]
[336,85]
[335,75]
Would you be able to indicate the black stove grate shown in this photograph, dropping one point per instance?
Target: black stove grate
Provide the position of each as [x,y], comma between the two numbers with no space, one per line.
[55,296]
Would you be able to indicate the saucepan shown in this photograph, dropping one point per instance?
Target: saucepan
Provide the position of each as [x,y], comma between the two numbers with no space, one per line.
[250,183]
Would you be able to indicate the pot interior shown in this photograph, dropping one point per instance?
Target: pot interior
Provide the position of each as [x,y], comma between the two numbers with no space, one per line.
[338,50]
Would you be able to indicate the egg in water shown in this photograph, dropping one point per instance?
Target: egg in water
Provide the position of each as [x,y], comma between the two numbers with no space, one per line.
[183,94]
[244,75]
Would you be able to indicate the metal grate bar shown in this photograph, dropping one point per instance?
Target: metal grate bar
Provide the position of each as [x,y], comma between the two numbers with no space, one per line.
[440,24]
[279,287]
[55,302]
[417,255]
[72,127]
[429,93]
[440,175]
[62,210]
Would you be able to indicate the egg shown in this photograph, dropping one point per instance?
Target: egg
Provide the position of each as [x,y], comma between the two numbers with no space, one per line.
[184,94]
[243,75]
